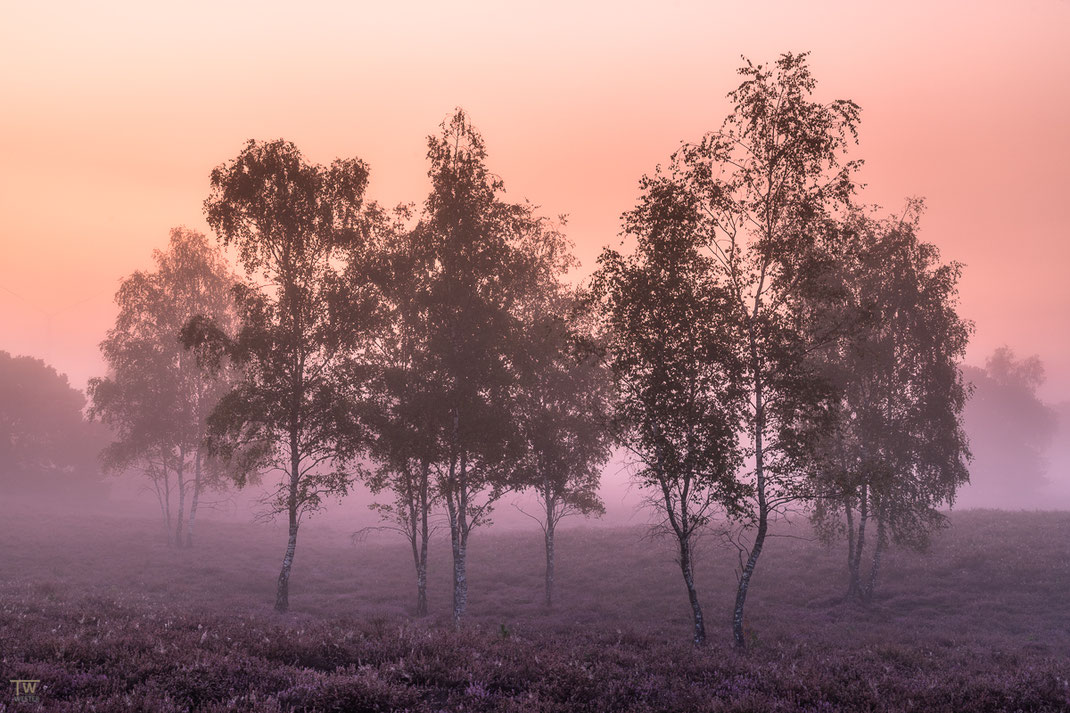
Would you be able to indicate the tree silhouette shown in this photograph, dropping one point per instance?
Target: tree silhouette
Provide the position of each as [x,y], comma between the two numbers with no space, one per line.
[670,343]
[404,445]
[770,184]
[297,410]
[478,264]
[563,409]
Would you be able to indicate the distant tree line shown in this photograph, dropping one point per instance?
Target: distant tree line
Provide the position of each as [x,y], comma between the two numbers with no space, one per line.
[48,449]
[760,342]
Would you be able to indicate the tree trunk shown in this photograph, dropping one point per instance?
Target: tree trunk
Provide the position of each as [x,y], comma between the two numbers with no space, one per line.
[167,503]
[160,498]
[457,505]
[196,498]
[763,509]
[180,473]
[425,536]
[419,535]
[421,588]
[878,551]
[549,537]
[282,593]
[851,579]
[745,576]
[855,587]
[460,577]
[687,567]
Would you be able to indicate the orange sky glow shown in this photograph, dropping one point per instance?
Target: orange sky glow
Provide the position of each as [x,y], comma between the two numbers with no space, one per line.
[113,114]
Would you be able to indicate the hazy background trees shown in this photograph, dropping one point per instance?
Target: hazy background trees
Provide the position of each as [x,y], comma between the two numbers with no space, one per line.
[1012,431]
[897,452]
[48,448]
[156,397]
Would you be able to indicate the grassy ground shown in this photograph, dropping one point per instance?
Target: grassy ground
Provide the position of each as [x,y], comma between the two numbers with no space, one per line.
[109,618]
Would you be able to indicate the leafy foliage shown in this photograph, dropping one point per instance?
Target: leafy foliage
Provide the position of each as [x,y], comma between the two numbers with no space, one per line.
[298,409]
[157,397]
[898,452]
[771,184]
[671,346]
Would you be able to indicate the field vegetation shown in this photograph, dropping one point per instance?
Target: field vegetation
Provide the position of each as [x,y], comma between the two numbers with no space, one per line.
[110,618]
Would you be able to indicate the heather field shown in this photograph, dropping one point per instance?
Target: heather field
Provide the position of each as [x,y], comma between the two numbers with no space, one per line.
[109,618]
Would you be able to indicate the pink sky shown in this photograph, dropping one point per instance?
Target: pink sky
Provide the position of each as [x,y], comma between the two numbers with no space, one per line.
[113,115]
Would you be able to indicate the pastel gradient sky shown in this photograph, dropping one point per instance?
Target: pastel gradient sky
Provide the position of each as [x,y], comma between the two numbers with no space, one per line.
[112,115]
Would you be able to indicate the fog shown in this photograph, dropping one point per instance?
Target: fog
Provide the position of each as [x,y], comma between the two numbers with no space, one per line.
[563,358]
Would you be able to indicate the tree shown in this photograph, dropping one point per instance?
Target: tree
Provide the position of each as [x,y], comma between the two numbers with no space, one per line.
[771,183]
[563,410]
[298,408]
[898,452]
[670,345]
[47,446]
[404,445]
[475,271]
[156,397]
[1010,428]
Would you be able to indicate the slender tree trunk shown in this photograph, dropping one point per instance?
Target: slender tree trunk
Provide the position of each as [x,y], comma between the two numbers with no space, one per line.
[855,588]
[878,551]
[549,528]
[851,579]
[457,506]
[282,593]
[167,503]
[549,537]
[745,576]
[181,482]
[196,497]
[425,536]
[419,535]
[460,546]
[460,576]
[421,587]
[763,509]
[687,567]
[159,490]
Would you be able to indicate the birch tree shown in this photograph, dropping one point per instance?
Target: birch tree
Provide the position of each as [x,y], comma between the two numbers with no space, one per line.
[563,414]
[772,183]
[406,445]
[898,452]
[476,273]
[297,411]
[157,397]
[670,344]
